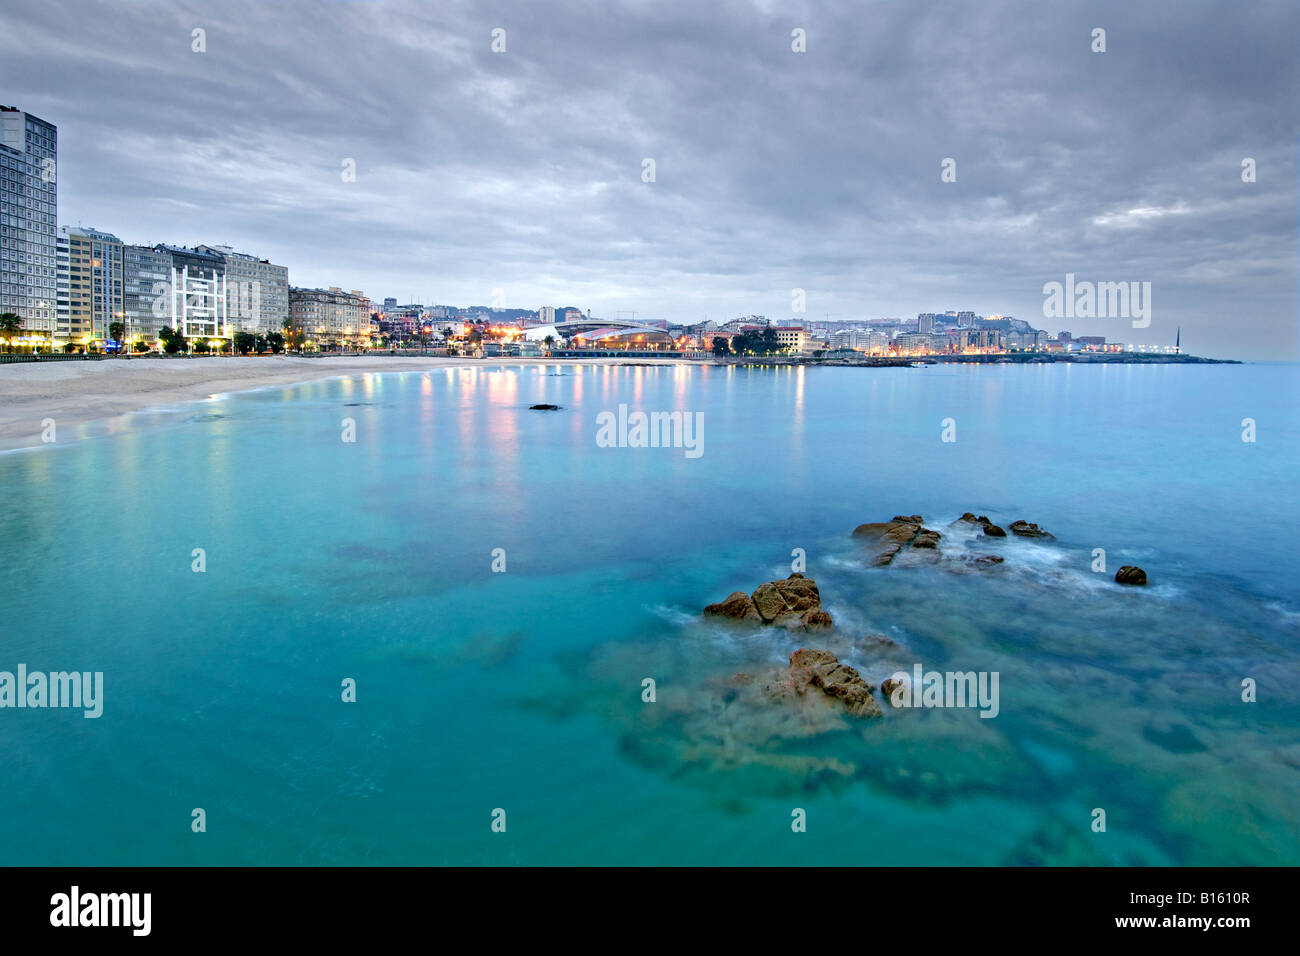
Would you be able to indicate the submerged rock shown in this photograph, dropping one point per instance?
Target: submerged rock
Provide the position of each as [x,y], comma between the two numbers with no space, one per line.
[543,408]
[1175,738]
[993,531]
[1131,574]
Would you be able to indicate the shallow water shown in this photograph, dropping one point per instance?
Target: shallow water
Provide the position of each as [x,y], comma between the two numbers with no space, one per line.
[522,690]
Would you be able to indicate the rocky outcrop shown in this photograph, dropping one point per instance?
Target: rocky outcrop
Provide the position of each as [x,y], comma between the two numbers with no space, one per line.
[989,528]
[737,606]
[793,602]
[1020,528]
[888,538]
[815,620]
[815,670]
[888,687]
[1025,529]
[1131,574]
[925,538]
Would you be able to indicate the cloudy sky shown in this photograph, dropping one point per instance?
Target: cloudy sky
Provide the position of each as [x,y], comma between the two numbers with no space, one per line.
[522,171]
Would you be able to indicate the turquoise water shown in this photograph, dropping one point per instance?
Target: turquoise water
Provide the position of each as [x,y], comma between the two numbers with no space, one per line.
[521,690]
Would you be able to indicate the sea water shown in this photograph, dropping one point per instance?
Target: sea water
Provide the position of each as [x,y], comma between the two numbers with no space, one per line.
[499,586]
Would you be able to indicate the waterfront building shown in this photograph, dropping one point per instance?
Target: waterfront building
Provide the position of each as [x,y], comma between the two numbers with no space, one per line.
[146,282]
[196,297]
[93,279]
[62,304]
[28,201]
[332,317]
[257,291]
[791,338]
[916,343]
[925,322]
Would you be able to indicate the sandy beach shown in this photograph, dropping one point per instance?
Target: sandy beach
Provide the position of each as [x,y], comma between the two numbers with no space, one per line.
[73,393]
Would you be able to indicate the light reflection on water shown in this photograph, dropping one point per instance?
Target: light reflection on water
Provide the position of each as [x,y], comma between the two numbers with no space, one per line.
[522,690]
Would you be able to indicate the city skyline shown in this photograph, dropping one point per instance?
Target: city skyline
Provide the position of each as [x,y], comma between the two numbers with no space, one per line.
[517,176]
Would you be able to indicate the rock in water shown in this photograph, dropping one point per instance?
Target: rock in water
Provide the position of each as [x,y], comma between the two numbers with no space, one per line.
[822,670]
[1131,574]
[925,538]
[793,595]
[737,606]
[814,620]
[794,602]
[543,408]
[1026,529]
[890,537]
[990,529]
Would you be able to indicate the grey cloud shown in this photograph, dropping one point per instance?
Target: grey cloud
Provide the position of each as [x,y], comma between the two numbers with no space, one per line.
[776,170]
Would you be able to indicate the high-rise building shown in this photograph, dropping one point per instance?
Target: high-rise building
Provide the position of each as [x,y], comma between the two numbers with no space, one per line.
[257,291]
[925,322]
[146,282]
[28,200]
[93,278]
[196,297]
[62,304]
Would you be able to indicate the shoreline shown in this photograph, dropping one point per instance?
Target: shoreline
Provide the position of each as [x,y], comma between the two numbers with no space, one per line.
[81,393]
[997,358]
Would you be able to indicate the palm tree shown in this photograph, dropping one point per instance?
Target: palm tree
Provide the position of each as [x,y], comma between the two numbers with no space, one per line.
[10,326]
[549,342]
